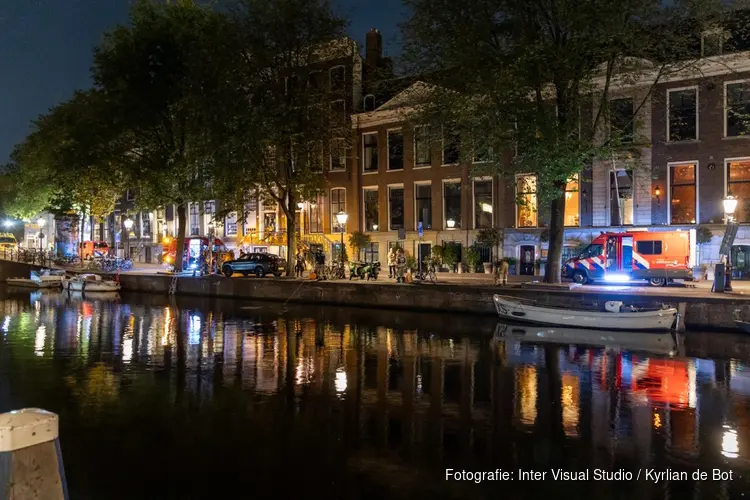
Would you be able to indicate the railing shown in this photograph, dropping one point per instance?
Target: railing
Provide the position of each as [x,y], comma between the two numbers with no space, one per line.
[27,256]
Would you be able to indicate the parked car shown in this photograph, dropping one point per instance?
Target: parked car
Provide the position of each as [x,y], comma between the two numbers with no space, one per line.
[258,264]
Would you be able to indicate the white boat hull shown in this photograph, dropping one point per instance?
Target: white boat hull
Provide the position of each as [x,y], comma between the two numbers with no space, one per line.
[659,320]
[658,343]
[89,286]
[30,283]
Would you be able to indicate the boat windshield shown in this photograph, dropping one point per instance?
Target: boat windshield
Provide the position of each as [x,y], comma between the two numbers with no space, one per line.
[591,251]
[7,240]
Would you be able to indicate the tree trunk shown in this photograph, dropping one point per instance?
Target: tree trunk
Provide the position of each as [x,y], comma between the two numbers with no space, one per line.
[556,233]
[181,228]
[291,236]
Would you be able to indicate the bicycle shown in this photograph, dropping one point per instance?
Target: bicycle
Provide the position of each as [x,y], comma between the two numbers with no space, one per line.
[335,271]
[428,273]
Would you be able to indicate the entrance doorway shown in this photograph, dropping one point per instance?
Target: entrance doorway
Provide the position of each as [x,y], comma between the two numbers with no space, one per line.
[526,267]
[424,251]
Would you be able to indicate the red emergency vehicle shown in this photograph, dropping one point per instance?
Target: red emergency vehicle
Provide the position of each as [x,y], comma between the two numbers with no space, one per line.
[658,257]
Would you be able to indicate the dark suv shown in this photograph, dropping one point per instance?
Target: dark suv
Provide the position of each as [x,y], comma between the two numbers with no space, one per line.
[258,264]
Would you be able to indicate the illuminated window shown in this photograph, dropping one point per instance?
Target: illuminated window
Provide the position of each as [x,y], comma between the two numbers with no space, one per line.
[738,109]
[452,204]
[621,198]
[682,194]
[370,196]
[482,203]
[370,152]
[738,185]
[526,201]
[338,204]
[572,202]
[314,219]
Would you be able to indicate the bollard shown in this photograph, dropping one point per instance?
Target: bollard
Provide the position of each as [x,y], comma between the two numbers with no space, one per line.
[31,465]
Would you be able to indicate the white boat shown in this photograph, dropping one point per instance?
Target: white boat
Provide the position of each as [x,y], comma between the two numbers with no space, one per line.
[39,279]
[90,283]
[654,342]
[615,316]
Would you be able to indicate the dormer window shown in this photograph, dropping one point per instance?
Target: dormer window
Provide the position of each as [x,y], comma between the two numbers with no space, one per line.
[712,42]
[369,102]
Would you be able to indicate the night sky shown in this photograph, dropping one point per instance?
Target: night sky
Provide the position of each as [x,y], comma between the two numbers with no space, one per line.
[45,50]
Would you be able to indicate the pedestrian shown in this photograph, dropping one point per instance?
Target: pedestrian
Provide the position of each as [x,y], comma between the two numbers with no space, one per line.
[501,272]
[300,265]
[400,267]
[392,263]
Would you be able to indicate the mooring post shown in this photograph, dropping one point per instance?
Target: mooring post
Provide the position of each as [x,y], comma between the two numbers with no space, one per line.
[31,465]
[681,309]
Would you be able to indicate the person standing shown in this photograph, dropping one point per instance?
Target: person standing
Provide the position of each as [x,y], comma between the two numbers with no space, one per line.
[501,272]
[300,265]
[392,263]
[400,266]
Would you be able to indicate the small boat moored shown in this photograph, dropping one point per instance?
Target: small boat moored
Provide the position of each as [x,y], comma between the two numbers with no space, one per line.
[614,317]
[90,283]
[46,278]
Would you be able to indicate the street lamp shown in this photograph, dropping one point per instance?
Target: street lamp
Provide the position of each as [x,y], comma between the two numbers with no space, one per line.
[374,227]
[128,223]
[451,223]
[41,221]
[730,205]
[341,218]
[8,223]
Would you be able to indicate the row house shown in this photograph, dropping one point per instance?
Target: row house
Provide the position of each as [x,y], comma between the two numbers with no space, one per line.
[691,148]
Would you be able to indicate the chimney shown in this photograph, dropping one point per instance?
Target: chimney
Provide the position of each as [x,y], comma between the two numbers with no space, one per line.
[373,48]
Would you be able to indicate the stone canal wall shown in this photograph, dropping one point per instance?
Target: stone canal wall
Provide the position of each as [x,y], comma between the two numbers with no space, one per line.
[701,313]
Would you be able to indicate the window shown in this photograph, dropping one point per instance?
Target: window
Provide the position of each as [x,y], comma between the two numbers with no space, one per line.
[648,247]
[209,207]
[422,153]
[370,196]
[316,80]
[452,204]
[526,201]
[230,224]
[483,152]
[145,224]
[621,119]
[129,195]
[269,222]
[338,112]
[395,207]
[337,77]
[369,102]
[591,251]
[338,154]
[621,198]
[371,252]
[395,150]
[738,185]
[737,109]
[314,219]
[682,124]
[682,194]
[370,152]
[195,228]
[482,203]
[338,204]
[451,145]
[572,202]
[423,205]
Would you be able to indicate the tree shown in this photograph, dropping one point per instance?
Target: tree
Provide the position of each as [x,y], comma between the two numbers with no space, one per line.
[358,241]
[528,74]
[162,79]
[279,144]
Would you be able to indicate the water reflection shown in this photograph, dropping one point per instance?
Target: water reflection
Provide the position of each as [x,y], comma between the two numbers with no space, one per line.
[384,404]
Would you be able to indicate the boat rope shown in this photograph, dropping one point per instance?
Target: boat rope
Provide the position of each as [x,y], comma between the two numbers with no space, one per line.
[292,295]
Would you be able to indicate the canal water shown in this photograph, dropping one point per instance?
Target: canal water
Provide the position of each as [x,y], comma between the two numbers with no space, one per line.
[213,399]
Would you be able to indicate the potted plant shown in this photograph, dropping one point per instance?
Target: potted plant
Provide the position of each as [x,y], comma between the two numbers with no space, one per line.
[450,257]
[411,262]
[511,264]
[489,237]
[539,265]
[359,241]
[437,254]
[473,258]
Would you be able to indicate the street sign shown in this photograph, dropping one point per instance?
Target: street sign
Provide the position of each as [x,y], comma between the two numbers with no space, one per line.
[402,234]
[729,235]
[420,231]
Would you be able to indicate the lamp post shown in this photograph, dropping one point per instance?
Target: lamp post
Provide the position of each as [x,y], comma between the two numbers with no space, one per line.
[450,223]
[41,221]
[128,223]
[341,218]
[730,205]
[211,242]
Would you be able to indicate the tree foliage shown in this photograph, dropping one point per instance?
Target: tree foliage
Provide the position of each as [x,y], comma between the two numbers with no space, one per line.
[525,85]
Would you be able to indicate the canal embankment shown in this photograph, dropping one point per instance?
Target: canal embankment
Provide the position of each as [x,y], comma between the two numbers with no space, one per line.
[702,311]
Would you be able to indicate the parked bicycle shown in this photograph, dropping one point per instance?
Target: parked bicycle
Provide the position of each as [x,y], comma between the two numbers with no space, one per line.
[428,272]
[335,271]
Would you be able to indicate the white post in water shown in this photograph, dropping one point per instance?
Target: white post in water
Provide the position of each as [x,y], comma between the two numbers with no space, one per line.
[31,464]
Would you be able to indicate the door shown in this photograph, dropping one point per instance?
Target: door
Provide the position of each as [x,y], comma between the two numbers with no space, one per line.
[527,260]
[611,254]
[424,250]
[627,253]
